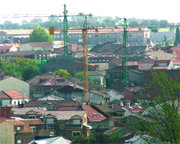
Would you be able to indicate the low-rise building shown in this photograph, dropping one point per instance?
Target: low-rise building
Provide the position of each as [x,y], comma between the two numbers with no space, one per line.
[12,83]
[66,123]
[12,97]
[15,132]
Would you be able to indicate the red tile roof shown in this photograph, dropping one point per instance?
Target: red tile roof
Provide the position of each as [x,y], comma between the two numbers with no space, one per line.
[41,44]
[5,46]
[118,124]
[135,108]
[18,53]
[15,95]
[26,129]
[160,67]
[110,130]
[32,121]
[92,114]
[175,61]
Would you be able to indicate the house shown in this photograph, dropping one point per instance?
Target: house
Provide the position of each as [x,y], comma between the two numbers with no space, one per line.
[54,104]
[142,139]
[136,118]
[36,46]
[12,97]
[66,123]
[160,55]
[97,120]
[176,51]
[101,62]
[146,63]
[15,132]
[161,64]
[12,83]
[114,76]
[111,111]
[71,64]
[37,126]
[69,89]
[51,97]
[26,54]
[134,92]
[97,77]
[133,109]
[174,64]
[53,140]
[4,48]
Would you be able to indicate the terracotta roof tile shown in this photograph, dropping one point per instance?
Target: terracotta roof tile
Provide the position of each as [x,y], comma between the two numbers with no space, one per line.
[26,129]
[135,108]
[18,53]
[92,114]
[32,121]
[15,95]
[15,122]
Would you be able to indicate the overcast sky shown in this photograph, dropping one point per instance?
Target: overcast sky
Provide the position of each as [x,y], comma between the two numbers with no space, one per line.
[146,9]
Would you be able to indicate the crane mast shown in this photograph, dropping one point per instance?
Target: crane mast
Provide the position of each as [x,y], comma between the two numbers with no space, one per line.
[65,32]
[85,61]
[125,57]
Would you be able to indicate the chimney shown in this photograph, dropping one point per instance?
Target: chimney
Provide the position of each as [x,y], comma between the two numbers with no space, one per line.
[5,112]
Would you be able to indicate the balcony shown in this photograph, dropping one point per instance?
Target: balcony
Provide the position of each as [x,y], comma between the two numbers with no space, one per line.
[71,126]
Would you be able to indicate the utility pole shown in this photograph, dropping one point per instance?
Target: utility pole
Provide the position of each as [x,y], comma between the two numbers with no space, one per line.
[125,57]
[85,61]
[65,27]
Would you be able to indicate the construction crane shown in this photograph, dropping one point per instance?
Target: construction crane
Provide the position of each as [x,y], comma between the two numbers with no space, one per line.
[65,27]
[65,30]
[125,57]
[85,61]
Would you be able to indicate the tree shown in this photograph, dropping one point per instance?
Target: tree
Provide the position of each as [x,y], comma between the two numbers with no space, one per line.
[177,38]
[62,73]
[40,35]
[20,67]
[164,110]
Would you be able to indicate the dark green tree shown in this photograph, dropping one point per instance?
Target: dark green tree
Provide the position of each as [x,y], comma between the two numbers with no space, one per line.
[40,35]
[177,38]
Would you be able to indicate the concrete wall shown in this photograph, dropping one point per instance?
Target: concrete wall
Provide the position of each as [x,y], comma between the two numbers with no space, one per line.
[6,133]
[12,83]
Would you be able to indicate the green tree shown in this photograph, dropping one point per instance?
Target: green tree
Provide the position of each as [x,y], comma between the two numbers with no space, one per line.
[177,38]
[164,110]
[40,35]
[62,73]
[21,68]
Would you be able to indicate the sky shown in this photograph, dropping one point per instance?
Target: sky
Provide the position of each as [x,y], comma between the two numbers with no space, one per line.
[145,9]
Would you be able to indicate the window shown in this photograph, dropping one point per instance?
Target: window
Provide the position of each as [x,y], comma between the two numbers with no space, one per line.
[14,102]
[50,121]
[18,128]
[33,128]
[32,116]
[76,133]
[76,122]
[51,132]
[19,141]
[62,126]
